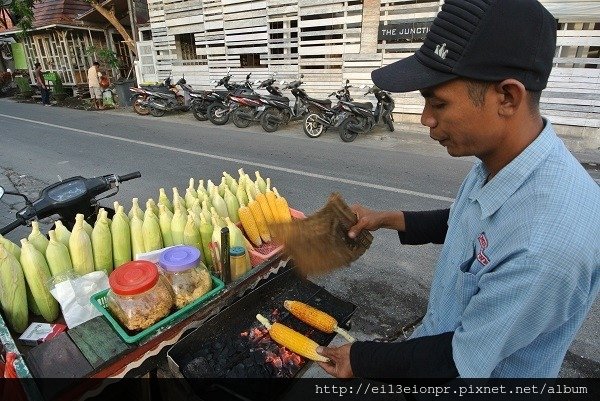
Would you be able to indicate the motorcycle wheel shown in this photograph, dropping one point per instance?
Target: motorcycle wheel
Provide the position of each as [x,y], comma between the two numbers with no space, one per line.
[139,108]
[345,133]
[218,113]
[313,128]
[267,122]
[199,110]
[157,112]
[238,117]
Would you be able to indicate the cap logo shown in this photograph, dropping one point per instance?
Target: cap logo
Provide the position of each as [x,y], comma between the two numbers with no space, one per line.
[441,51]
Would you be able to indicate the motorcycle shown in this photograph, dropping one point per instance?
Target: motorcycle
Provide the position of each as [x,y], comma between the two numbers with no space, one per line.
[279,111]
[322,115]
[67,198]
[363,118]
[201,100]
[160,102]
[143,92]
[250,106]
[219,112]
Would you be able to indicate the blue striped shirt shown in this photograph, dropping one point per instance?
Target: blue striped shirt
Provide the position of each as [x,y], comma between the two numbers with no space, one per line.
[520,266]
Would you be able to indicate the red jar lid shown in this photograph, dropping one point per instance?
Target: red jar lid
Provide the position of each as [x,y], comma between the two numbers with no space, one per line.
[133,278]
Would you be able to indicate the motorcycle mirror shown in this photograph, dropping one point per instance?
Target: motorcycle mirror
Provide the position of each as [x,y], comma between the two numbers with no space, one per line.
[1,192]
[347,81]
[301,75]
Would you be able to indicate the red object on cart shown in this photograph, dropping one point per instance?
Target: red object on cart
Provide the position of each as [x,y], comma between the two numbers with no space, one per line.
[12,389]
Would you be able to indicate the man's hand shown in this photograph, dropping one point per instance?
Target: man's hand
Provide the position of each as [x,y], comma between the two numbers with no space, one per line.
[374,220]
[339,365]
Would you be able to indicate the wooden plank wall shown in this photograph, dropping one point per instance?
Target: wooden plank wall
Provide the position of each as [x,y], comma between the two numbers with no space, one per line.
[322,40]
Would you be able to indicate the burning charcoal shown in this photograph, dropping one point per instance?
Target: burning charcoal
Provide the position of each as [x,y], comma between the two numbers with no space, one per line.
[258,357]
[248,362]
[217,346]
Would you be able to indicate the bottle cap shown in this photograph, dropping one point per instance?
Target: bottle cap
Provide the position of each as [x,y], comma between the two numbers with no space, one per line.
[180,258]
[133,278]
[237,251]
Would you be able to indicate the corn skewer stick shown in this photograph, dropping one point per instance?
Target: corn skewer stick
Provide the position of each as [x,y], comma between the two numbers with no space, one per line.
[292,340]
[316,318]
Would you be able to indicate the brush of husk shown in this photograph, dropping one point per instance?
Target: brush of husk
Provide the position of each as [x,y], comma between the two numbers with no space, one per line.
[320,242]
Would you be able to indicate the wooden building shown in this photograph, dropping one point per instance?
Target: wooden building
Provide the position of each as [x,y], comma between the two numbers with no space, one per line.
[332,40]
[64,30]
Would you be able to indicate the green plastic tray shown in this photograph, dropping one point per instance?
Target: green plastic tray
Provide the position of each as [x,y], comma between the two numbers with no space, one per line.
[100,302]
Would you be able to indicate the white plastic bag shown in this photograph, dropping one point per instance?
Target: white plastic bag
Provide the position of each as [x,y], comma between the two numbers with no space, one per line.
[73,294]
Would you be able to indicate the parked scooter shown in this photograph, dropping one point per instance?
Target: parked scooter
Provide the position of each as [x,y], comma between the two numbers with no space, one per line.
[67,198]
[202,100]
[279,112]
[363,118]
[251,106]
[160,102]
[219,112]
[141,94]
[323,116]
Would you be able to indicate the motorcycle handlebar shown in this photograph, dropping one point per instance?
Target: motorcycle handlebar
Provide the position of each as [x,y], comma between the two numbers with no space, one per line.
[8,228]
[130,176]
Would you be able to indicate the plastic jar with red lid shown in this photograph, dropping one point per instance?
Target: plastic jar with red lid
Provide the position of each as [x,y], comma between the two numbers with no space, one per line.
[139,295]
[189,278]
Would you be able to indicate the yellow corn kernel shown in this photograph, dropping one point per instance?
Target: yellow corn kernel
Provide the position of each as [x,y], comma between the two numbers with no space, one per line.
[264,206]
[249,225]
[292,340]
[259,218]
[315,318]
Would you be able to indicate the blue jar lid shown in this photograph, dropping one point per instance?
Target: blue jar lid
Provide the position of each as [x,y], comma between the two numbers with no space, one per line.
[180,258]
[237,251]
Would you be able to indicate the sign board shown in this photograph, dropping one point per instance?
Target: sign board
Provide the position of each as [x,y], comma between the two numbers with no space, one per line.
[405,32]
[18,53]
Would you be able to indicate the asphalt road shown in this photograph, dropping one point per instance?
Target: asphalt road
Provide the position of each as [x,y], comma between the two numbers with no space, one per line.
[402,170]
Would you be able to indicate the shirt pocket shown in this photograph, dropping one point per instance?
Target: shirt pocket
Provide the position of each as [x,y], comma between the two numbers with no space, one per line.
[467,283]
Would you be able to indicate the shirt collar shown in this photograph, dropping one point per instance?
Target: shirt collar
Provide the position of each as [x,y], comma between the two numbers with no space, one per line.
[495,193]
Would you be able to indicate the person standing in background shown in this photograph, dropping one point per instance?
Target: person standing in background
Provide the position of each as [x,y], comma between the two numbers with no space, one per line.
[41,83]
[93,77]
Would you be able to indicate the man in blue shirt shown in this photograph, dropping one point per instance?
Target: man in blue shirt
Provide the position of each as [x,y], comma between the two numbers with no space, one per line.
[520,265]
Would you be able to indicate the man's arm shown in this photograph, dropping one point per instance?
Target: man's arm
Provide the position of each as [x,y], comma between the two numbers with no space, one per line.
[425,227]
[429,356]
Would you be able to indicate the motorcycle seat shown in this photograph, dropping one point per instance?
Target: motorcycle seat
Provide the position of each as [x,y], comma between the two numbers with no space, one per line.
[164,95]
[156,88]
[251,96]
[277,98]
[363,105]
[325,102]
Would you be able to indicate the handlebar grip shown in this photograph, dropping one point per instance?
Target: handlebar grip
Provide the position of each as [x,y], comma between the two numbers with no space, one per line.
[129,176]
[5,230]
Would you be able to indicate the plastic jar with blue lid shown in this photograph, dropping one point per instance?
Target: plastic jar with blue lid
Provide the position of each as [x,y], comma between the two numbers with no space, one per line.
[183,267]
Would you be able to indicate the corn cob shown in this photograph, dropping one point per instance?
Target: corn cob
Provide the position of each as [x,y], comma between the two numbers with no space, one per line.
[177,199]
[316,318]
[259,218]
[241,195]
[57,256]
[261,184]
[102,244]
[231,182]
[283,209]
[80,248]
[31,304]
[137,235]
[37,274]
[62,233]
[292,340]
[13,291]
[151,230]
[271,197]
[206,230]
[191,233]
[135,209]
[165,217]
[190,197]
[150,204]
[11,247]
[219,220]
[36,237]
[201,189]
[178,223]
[249,225]
[222,187]
[232,205]
[206,209]
[192,188]
[264,206]
[218,203]
[120,231]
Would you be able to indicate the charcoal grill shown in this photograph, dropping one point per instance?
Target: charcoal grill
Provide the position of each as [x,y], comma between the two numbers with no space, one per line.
[234,345]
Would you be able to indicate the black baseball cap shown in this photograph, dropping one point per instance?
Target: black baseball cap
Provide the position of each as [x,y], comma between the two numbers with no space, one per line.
[487,40]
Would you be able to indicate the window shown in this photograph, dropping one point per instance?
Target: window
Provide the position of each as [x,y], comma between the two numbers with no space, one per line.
[250,60]
[186,46]
[146,35]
